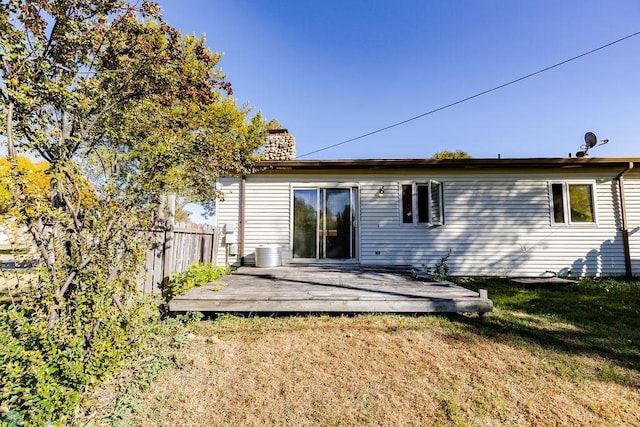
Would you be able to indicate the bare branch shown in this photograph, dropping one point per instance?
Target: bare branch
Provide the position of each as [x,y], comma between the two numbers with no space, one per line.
[115,269]
[11,149]
[72,210]
[116,300]
[45,52]
[70,278]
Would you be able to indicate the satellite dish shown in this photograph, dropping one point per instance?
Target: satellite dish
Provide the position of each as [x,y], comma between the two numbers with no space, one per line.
[590,139]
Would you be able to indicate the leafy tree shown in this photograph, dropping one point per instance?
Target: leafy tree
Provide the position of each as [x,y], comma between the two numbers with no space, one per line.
[123,108]
[36,183]
[445,154]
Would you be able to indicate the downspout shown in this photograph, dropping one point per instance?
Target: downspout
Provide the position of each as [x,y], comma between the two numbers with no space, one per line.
[243,187]
[625,226]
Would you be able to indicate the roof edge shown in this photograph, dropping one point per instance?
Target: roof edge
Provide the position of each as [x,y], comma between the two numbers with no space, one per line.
[448,163]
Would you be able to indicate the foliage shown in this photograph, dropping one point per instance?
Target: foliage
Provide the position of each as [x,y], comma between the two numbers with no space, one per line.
[123,108]
[197,274]
[36,183]
[440,270]
[445,154]
[44,372]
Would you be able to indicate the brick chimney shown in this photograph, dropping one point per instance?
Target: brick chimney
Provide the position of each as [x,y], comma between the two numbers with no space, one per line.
[280,145]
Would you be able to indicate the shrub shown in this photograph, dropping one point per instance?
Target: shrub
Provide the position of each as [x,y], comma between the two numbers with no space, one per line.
[440,270]
[197,274]
[45,371]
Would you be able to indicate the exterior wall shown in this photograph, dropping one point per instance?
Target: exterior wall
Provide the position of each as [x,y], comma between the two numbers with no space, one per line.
[632,199]
[227,212]
[496,223]
[267,217]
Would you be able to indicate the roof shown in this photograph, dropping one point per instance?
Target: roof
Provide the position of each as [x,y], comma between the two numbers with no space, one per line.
[578,162]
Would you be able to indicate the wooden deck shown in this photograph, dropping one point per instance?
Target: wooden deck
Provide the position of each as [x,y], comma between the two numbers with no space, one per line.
[329,289]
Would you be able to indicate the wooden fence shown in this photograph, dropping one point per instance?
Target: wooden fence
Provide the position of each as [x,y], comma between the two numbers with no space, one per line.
[173,250]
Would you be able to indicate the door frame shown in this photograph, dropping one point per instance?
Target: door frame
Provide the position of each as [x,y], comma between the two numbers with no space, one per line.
[355,214]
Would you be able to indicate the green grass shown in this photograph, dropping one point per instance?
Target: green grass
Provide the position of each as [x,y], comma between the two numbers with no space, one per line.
[594,316]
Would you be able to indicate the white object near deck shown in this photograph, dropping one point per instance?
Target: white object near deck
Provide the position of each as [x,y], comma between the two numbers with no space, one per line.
[268,256]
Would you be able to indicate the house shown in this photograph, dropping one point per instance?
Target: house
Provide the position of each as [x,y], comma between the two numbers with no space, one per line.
[530,217]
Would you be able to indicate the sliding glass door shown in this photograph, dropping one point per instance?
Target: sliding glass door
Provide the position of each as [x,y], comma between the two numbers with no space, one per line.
[324,223]
[305,223]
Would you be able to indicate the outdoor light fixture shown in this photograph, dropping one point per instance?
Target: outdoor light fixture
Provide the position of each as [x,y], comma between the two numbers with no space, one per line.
[381,192]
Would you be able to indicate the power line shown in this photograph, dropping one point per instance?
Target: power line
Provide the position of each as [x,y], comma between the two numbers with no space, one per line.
[472,96]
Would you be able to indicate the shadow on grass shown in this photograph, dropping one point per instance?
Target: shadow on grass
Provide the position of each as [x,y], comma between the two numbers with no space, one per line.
[592,317]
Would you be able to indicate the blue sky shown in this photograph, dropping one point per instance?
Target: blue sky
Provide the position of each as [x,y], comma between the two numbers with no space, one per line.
[333,70]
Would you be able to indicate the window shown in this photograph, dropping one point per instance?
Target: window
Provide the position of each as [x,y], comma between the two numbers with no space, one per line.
[422,203]
[572,203]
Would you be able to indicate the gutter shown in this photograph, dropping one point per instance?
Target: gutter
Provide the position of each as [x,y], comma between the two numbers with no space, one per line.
[625,226]
[460,164]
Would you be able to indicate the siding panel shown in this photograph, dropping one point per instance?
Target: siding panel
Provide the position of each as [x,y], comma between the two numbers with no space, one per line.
[227,212]
[495,223]
[632,198]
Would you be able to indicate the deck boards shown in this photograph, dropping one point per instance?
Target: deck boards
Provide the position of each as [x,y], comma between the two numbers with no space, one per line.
[328,289]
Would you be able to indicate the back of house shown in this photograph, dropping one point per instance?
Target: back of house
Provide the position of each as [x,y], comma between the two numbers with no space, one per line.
[498,217]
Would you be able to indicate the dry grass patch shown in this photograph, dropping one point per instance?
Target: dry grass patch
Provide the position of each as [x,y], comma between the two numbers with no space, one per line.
[383,370]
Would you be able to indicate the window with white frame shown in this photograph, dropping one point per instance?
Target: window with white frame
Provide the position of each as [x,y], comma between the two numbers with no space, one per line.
[572,202]
[422,203]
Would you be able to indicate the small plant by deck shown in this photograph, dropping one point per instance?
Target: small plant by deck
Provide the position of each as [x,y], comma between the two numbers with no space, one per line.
[197,274]
[439,271]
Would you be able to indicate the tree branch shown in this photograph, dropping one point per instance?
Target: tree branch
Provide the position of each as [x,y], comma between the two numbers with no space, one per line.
[42,247]
[11,149]
[115,268]
[84,132]
[65,287]
[74,210]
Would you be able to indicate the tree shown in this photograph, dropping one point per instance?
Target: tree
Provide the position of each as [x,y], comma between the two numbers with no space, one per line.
[36,183]
[123,108]
[445,154]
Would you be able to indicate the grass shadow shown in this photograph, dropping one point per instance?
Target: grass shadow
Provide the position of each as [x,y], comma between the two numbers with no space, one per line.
[592,317]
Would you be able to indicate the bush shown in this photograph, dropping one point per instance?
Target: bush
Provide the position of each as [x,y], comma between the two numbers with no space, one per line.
[440,270]
[45,371]
[197,274]
[36,376]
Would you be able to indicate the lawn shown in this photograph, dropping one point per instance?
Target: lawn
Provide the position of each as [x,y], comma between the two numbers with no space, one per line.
[561,355]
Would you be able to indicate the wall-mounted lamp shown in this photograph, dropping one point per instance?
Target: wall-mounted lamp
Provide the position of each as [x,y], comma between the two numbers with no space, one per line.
[381,192]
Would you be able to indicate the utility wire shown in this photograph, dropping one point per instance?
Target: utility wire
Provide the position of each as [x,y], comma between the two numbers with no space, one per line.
[472,96]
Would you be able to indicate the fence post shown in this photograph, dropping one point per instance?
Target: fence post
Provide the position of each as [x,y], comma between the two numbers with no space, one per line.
[169,246]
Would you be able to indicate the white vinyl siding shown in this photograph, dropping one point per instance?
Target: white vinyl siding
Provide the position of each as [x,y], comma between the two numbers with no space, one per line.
[632,198]
[227,211]
[268,216]
[497,223]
